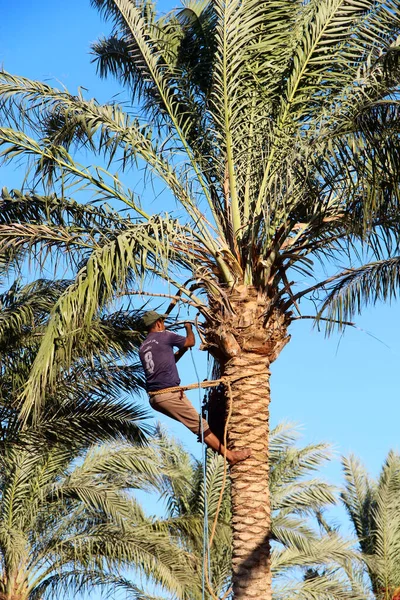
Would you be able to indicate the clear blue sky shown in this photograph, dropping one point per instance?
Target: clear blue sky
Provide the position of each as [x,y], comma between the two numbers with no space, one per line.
[344,389]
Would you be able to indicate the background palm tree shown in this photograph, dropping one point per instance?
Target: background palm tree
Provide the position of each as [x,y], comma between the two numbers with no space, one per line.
[69,525]
[68,519]
[87,405]
[274,125]
[373,508]
[302,540]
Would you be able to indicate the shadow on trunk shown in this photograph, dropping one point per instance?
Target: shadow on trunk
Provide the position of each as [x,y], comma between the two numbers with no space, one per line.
[253,563]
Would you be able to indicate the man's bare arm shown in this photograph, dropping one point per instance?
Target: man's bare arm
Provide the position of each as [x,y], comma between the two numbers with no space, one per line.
[189,342]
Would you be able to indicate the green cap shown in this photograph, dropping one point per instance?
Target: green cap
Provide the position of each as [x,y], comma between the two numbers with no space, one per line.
[151,317]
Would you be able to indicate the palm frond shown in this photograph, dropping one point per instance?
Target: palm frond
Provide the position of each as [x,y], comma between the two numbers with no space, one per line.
[77,581]
[373,282]
[85,421]
[154,72]
[324,585]
[373,509]
[296,501]
[73,524]
[358,496]
[106,272]
[23,308]
[385,562]
[86,405]
[117,461]
[308,553]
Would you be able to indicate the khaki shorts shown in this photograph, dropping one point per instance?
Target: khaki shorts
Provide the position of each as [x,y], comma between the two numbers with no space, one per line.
[178,406]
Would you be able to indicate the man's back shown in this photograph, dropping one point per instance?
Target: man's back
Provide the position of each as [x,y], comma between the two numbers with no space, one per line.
[158,359]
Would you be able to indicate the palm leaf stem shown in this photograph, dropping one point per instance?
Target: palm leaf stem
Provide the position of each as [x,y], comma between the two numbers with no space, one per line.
[155,295]
[185,290]
[263,186]
[246,199]
[312,288]
[317,318]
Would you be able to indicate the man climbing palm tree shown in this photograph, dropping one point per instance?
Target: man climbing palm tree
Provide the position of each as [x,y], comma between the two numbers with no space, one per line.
[159,364]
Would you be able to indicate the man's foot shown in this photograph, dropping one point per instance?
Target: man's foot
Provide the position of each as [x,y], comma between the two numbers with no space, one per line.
[236,456]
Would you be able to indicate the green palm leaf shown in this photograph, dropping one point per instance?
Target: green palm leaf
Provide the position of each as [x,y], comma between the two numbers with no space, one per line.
[372,506]
[369,284]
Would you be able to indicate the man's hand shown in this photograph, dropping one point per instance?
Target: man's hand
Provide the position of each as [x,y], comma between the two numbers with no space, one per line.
[190,341]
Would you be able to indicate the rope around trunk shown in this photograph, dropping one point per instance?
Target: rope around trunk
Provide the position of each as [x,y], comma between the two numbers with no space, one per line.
[202,384]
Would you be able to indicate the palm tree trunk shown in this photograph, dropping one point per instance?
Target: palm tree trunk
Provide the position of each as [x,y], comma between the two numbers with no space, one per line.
[251,520]
[248,337]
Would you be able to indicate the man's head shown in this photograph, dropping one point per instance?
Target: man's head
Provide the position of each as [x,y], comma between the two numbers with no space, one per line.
[153,321]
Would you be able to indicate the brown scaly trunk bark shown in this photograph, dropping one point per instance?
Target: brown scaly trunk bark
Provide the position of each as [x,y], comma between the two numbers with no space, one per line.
[245,345]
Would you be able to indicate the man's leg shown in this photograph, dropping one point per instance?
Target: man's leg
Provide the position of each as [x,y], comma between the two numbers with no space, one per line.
[177,406]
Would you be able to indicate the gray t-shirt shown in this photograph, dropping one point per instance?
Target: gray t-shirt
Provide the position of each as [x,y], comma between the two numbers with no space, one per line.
[158,359]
